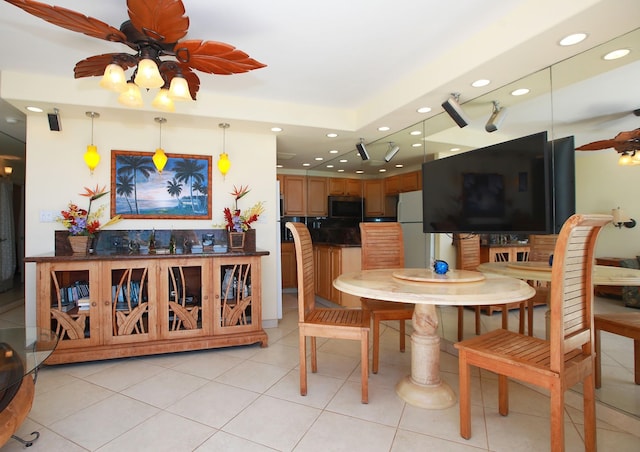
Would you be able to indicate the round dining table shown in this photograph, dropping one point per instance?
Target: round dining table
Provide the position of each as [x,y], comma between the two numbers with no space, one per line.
[426,289]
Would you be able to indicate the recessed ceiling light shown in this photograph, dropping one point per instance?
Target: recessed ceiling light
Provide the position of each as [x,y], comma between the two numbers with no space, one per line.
[382,170]
[416,145]
[35,109]
[614,55]
[341,171]
[11,120]
[480,83]
[383,129]
[276,129]
[319,159]
[573,39]
[343,160]
[415,132]
[424,110]
[333,151]
[399,165]
[329,166]
[520,92]
[306,164]
[359,171]
[332,135]
[454,149]
[279,166]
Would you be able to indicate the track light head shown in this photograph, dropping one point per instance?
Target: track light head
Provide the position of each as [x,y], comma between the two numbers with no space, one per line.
[364,155]
[393,150]
[496,118]
[453,108]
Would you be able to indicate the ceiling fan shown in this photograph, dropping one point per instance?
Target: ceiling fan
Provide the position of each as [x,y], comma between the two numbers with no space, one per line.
[154,30]
[624,142]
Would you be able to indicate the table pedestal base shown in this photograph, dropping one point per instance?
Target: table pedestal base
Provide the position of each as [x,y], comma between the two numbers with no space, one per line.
[424,388]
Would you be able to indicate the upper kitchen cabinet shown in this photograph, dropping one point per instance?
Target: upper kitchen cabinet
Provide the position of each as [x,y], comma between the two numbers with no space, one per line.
[317,196]
[295,195]
[402,183]
[374,198]
[339,186]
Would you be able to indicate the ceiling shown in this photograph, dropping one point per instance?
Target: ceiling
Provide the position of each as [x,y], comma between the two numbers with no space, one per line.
[343,67]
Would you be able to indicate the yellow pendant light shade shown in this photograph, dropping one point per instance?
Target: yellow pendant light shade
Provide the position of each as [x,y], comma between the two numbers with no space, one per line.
[114,79]
[224,164]
[148,76]
[91,157]
[163,101]
[179,89]
[159,159]
[131,97]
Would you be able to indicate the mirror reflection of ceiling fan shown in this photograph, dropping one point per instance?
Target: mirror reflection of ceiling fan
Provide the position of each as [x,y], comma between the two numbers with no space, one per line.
[627,144]
[154,30]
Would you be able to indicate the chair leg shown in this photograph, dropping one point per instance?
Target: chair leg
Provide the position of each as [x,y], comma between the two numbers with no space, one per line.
[636,360]
[557,417]
[376,343]
[364,365]
[402,336]
[530,317]
[589,414]
[303,363]
[464,372]
[314,356]
[503,395]
[460,322]
[477,309]
[521,309]
[505,317]
[598,363]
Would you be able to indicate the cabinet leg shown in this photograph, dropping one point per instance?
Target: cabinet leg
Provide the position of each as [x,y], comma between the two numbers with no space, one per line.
[27,443]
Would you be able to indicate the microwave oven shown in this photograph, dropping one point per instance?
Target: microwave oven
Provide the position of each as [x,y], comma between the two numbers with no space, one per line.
[345,207]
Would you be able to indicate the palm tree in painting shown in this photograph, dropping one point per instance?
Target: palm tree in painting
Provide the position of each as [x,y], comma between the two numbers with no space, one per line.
[124,188]
[174,188]
[199,187]
[189,172]
[134,164]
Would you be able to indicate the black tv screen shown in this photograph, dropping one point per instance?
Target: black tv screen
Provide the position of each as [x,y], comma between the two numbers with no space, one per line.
[563,176]
[503,188]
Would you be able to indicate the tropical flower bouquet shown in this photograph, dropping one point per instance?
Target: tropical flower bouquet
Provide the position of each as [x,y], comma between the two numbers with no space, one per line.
[84,223]
[236,221]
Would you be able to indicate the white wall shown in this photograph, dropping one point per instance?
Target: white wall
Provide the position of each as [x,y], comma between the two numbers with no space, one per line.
[56,174]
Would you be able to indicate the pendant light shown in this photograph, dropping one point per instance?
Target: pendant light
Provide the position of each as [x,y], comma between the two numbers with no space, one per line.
[160,158]
[91,157]
[224,163]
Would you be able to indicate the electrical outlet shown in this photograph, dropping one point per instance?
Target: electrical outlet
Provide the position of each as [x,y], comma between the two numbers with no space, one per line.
[47,216]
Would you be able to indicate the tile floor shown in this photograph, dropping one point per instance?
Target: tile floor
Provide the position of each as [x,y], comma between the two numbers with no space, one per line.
[246,399]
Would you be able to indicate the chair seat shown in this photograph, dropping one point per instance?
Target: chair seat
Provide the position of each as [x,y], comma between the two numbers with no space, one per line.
[531,354]
[339,317]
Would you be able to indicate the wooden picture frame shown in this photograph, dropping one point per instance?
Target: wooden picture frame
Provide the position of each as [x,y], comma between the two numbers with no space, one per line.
[182,190]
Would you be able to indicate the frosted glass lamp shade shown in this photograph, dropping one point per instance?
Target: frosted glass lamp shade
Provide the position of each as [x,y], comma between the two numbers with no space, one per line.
[148,76]
[179,89]
[114,79]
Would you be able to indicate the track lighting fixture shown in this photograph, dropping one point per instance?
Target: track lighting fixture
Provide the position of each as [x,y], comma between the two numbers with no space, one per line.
[497,116]
[453,109]
[393,150]
[364,155]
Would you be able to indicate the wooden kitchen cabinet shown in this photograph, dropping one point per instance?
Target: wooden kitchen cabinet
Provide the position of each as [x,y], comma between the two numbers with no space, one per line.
[411,181]
[288,265]
[141,305]
[392,185]
[317,204]
[330,261]
[342,186]
[295,195]
[374,198]
[504,253]
[280,178]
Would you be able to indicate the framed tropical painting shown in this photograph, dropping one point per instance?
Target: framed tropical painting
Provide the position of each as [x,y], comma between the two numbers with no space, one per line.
[182,190]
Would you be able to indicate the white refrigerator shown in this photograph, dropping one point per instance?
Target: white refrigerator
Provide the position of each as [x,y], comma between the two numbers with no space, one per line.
[418,246]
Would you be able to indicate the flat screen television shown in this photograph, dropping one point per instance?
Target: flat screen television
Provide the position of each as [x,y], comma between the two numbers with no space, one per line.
[509,187]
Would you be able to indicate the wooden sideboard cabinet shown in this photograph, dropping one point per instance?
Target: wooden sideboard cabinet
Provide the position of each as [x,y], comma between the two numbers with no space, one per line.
[117,306]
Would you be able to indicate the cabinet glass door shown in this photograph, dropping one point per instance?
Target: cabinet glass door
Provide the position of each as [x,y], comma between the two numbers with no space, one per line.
[182,313]
[235,310]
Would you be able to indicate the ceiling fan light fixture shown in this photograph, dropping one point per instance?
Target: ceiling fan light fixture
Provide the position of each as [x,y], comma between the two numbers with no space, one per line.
[147,75]
[163,101]
[625,159]
[114,78]
[131,97]
[179,89]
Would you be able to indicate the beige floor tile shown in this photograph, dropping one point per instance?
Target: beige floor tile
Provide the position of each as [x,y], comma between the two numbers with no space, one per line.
[208,364]
[412,441]
[224,442]
[320,389]
[384,406]
[164,389]
[253,376]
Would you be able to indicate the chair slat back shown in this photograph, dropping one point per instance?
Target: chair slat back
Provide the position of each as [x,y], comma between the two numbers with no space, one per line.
[542,246]
[467,251]
[382,245]
[572,287]
[304,265]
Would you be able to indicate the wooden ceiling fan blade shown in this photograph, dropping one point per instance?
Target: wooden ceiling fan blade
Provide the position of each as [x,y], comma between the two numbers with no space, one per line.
[94,66]
[160,20]
[598,145]
[215,57]
[71,20]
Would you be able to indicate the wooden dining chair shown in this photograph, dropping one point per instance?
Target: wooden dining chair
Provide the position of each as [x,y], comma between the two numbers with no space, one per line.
[468,258]
[334,323]
[383,247]
[541,247]
[560,363]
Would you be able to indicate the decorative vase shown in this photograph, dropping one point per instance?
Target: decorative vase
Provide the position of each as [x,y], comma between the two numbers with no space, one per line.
[79,244]
[236,241]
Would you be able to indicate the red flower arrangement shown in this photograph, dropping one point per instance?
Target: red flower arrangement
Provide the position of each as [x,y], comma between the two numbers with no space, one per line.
[235,220]
[84,222]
